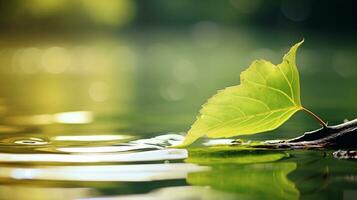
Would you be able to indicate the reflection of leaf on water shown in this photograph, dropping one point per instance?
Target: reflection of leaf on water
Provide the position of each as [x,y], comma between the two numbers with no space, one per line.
[264,180]
[225,154]
[260,181]
[181,193]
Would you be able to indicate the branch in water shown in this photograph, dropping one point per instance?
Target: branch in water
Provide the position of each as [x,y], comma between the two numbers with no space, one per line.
[340,136]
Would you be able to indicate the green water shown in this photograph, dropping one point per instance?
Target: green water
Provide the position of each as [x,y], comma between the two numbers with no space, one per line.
[90,118]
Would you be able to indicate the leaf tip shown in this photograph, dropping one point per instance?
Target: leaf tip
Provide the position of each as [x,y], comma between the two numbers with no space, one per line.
[297,45]
[300,43]
[190,138]
[292,52]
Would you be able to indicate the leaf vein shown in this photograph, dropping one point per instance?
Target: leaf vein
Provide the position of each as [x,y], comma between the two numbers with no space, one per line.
[252,99]
[260,74]
[248,116]
[289,84]
[272,88]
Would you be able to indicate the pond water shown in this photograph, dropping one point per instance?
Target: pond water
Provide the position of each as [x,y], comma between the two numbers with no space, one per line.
[91,118]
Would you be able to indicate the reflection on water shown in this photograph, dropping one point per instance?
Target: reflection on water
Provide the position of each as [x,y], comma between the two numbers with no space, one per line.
[92,119]
[23,141]
[181,192]
[12,192]
[90,137]
[79,117]
[31,141]
[154,155]
[104,149]
[231,172]
[262,181]
[265,180]
[116,173]
[236,155]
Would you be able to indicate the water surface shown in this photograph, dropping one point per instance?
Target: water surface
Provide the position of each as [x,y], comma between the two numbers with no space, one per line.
[91,119]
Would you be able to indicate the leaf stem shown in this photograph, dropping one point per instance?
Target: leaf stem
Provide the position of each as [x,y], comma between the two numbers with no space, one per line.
[321,122]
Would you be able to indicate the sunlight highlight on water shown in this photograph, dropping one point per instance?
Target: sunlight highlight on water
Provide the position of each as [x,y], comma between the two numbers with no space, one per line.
[77,117]
[118,173]
[155,155]
[91,137]
[106,149]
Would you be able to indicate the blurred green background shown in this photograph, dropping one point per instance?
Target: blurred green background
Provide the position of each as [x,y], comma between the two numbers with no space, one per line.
[146,67]
[100,79]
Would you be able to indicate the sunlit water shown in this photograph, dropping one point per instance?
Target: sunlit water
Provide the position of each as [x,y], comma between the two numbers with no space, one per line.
[145,169]
[94,120]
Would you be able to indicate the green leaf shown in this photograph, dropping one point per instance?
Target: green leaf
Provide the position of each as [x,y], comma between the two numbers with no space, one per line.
[267,96]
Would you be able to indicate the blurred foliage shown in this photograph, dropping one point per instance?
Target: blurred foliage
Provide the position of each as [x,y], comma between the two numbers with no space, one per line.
[66,13]
[30,15]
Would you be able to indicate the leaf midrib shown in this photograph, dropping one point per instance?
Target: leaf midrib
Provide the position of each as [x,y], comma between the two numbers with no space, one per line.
[249,116]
